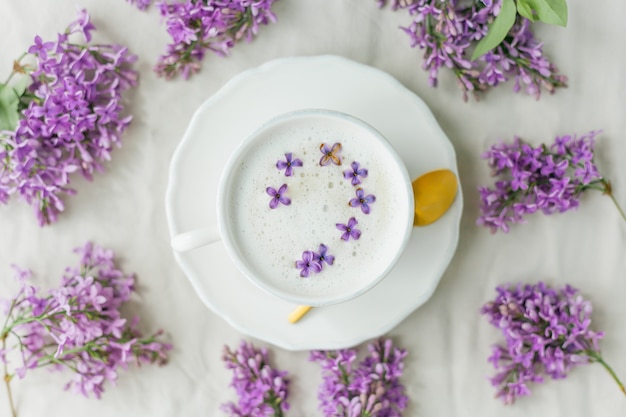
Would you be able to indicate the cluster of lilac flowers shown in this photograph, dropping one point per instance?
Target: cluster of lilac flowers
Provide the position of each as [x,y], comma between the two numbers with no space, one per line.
[370,389]
[313,262]
[72,116]
[78,325]
[447,32]
[262,390]
[547,331]
[544,178]
[197,26]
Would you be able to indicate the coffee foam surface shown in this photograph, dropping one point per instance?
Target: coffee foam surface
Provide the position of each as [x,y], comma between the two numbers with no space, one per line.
[271,240]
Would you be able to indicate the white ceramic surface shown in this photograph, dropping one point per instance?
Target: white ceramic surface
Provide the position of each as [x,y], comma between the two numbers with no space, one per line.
[232,114]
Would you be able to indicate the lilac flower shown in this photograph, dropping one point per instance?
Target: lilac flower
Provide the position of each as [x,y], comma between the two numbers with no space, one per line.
[546,331]
[362,201]
[372,388]
[349,230]
[322,256]
[72,116]
[78,325]
[550,179]
[288,164]
[278,196]
[261,389]
[210,25]
[330,154]
[447,31]
[354,173]
[309,264]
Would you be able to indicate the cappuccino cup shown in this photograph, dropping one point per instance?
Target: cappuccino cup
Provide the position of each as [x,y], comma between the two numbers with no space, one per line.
[315,207]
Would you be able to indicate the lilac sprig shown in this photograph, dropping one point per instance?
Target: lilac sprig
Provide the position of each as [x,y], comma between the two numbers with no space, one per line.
[544,178]
[547,331]
[197,26]
[70,117]
[447,32]
[371,389]
[261,389]
[78,325]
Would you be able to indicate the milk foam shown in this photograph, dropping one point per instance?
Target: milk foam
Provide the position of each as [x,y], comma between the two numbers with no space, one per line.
[271,241]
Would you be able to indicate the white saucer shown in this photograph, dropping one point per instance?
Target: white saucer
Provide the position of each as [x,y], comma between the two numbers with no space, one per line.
[228,117]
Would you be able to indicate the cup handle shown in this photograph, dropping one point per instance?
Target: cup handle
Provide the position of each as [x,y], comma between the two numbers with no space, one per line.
[186,241]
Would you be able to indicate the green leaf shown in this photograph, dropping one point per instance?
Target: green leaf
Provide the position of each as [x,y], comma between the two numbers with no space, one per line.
[497,30]
[553,12]
[525,10]
[9,115]
[22,84]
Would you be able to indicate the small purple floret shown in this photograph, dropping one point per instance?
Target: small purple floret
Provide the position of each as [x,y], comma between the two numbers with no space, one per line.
[308,264]
[278,196]
[288,164]
[362,201]
[330,154]
[349,230]
[322,255]
[547,331]
[355,174]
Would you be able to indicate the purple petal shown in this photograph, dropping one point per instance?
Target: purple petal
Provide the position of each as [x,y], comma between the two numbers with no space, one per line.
[273,203]
[341,227]
[365,208]
[296,163]
[362,172]
[270,191]
[288,156]
[307,256]
[329,259]
[285,200]
[281,164]
[370,199]
[347,174]
[360,193]
[305,272]
[346,236]
[352,222]
[282,189]
[316,266]
[356,180]
[356,234]
[355,202]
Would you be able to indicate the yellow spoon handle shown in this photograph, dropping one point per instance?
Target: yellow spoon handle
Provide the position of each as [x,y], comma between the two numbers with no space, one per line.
[298,313]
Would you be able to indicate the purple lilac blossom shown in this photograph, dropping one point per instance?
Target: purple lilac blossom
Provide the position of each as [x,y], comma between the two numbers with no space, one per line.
[211,25]
[362,201]
[278,196]
[546,331]
[78,325]
[309,264]
[322,256]
[140,4]
[372,388]
[288,164]
[355,174]
[330,154]
[447,32]
[72,118]
[262,391]
[544,178]
[349,229]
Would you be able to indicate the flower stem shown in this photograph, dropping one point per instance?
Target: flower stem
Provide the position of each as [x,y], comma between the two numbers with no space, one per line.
[608,190]
[7,380]
[597,358]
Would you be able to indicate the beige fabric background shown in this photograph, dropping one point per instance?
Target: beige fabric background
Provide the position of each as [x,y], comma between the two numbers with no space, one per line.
[448,341]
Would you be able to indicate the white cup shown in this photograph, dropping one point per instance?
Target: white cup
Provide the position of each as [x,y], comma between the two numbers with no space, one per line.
[265,243]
